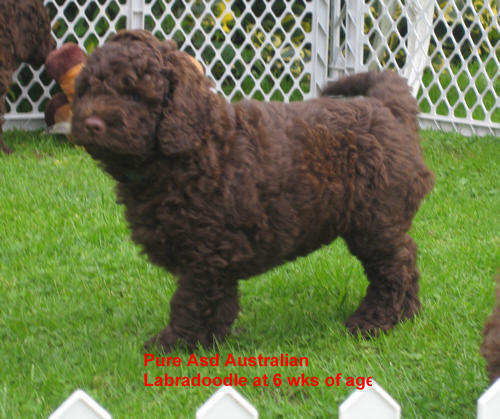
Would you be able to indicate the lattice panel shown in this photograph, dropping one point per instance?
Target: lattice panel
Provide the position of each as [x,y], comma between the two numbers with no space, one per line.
[258,49]
[276,50]
[462,80]
[86,22]
[449,51]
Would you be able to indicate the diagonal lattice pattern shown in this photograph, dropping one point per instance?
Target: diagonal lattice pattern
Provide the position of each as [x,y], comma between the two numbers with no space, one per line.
[260,49]
[462,78]
[256,49]
[87,23]
[449,51]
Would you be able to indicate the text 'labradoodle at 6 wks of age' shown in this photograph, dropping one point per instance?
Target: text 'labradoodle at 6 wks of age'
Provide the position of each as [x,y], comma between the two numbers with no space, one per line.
[217,192]
[25,36]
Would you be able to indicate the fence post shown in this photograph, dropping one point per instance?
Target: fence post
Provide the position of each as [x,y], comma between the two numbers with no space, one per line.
[347,37]
[354,24]
[420,14]
[135,18]
[337,62]
[319,73]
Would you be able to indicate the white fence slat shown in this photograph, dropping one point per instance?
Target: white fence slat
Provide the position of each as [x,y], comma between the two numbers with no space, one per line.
[136,14]
[354,36]
[370,403]
[80,406]
[420,13]
[488,405]
[320,47]
[227,403]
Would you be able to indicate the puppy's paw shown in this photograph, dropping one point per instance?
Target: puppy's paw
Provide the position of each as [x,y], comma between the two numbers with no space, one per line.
[371,320]
[167,340]
[364,326]
[371,323]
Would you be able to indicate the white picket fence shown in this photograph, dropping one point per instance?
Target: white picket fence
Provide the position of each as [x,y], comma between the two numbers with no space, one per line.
[288,50]
[372,402]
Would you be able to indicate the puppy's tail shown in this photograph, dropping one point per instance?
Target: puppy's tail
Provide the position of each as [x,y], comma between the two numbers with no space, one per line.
[386,86]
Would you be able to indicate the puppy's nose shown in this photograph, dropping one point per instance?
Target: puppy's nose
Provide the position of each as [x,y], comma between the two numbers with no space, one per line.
[95,125]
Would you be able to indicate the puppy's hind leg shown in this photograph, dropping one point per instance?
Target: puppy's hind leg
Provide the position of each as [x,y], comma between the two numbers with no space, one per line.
[389,261]
[200,312]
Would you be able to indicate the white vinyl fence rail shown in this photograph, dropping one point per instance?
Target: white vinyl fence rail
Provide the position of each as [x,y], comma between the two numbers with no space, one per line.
[287,50]
[372,402]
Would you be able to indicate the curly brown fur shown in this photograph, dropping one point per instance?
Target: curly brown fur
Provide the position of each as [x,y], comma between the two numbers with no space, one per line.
[217,192]
[491,343]
[25,36]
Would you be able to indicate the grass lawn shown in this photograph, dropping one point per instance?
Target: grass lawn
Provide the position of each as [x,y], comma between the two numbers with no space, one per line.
[78,300]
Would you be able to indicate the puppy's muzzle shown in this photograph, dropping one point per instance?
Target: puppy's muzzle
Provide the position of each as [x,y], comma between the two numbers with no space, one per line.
[95,126]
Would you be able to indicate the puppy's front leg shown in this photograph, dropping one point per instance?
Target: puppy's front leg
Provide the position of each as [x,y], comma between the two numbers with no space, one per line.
[200,312]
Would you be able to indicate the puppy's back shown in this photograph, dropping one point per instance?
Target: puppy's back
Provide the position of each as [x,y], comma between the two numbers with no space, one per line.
[386,86]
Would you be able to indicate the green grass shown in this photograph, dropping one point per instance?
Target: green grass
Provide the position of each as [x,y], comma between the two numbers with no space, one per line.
[77,300]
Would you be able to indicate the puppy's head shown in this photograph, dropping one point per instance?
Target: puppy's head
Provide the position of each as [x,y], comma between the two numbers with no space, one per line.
[126,92]
[32,32]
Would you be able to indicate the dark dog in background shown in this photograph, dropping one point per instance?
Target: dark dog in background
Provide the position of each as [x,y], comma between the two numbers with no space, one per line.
[25,36]
[217,192]
[491,343]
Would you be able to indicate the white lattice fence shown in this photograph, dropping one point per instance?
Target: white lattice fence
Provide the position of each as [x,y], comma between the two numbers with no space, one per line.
[256,49]
[261,49]
[448,50]
[286,50]
[87,23]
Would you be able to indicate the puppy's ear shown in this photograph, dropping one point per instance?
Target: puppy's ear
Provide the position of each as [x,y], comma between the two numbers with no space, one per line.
[186,106]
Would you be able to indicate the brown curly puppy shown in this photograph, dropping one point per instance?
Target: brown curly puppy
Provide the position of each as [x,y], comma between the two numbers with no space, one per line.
[217,192]
[491,343]
[25,36]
